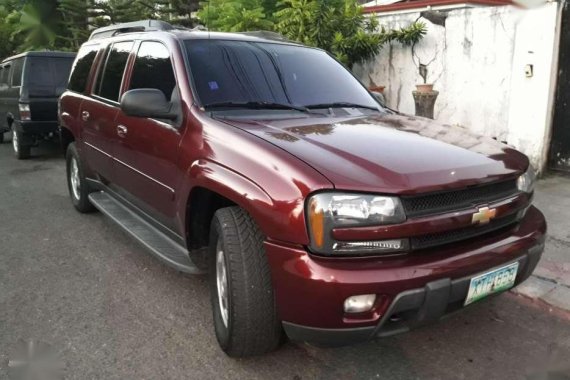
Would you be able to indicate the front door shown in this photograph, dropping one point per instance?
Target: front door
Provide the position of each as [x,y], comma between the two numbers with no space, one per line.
[147,149]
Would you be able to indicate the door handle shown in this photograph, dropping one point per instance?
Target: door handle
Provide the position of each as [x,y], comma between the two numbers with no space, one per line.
[122,130]
[85,115]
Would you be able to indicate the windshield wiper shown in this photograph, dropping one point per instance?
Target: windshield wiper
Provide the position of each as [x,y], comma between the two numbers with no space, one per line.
[258,106]
[341,105]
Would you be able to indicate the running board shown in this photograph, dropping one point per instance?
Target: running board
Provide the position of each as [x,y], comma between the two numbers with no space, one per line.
[160,245]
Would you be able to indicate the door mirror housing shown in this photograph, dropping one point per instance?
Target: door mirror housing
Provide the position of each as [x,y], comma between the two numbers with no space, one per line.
[147,102]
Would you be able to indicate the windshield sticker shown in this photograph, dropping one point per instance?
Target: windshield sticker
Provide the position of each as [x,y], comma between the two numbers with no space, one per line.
[213,85]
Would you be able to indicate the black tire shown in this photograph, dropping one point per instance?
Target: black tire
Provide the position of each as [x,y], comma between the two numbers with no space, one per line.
[252,326]
[1,137]
[21,152]
[79,196]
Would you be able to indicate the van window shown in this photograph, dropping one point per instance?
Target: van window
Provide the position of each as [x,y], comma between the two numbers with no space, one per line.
[82,67]
[47,76]
[110,79]
[4,71]
[17,70]
[153,69]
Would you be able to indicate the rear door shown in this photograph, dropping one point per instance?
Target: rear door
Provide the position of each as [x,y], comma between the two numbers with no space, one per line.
[99,111]
[147,149]
[45,79]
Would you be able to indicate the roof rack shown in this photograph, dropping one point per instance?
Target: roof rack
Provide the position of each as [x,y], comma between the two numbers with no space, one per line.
[131,27]
[268,35]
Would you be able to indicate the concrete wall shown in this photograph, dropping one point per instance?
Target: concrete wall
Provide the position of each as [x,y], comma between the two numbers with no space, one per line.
[477,61]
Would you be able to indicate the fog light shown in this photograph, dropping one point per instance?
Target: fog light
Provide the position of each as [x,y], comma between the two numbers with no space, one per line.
[359,304]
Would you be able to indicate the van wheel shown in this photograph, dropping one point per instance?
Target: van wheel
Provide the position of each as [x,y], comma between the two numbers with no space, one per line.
[76,183]
[245,316]
[21,151]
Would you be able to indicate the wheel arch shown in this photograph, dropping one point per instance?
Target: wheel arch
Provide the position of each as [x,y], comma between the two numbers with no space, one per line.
[214,187]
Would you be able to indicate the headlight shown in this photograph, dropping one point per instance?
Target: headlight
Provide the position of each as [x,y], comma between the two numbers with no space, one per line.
[527,181]
[326,211]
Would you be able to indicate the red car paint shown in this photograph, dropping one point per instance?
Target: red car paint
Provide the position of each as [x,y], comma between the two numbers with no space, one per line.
[270,168]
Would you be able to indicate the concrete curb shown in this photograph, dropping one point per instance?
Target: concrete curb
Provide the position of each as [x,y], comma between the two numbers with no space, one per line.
[546,293]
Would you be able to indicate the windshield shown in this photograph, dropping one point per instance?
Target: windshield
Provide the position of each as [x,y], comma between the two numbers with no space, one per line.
[251,72]
[47,76]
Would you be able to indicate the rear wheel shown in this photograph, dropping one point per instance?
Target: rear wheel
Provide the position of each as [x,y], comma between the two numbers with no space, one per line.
[245,316]
[76,182]
[1,137]
[20,151]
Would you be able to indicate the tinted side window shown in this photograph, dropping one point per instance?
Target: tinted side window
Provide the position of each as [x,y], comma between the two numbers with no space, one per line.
[17,69]
[112,75]
[4,70]
[153,69]
[82,67]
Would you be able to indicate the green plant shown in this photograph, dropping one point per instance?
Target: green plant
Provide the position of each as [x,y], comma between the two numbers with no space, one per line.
[340,27]
[234,16]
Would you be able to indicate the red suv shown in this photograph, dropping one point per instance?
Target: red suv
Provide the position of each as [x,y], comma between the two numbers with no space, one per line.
[316,211]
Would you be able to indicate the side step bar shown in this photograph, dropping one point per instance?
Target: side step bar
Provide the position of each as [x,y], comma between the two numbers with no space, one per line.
[160,245]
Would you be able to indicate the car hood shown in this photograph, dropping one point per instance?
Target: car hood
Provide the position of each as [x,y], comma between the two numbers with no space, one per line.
[390,153]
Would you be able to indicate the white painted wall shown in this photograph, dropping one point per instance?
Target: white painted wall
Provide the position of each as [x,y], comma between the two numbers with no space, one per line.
[477,62]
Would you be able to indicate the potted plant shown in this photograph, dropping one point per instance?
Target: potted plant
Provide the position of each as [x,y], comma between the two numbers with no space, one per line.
[424,87]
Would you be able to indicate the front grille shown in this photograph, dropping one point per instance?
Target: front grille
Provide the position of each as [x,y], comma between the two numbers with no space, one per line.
[442,238]
[436,203]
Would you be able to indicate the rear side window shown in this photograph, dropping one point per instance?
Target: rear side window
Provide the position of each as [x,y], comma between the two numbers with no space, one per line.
[47,76]
[153,69]
[4,70]
[17,70]
[109,84]
[82,67]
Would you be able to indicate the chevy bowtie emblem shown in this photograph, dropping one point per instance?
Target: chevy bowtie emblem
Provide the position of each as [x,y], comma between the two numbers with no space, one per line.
[484,215]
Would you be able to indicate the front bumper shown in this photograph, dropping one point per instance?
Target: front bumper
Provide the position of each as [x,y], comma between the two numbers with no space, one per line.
[415,289]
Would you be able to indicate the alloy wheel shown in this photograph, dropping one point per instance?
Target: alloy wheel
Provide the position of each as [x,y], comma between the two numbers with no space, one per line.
[222,282]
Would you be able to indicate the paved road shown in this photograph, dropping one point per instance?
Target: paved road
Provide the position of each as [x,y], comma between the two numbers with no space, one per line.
[113,312]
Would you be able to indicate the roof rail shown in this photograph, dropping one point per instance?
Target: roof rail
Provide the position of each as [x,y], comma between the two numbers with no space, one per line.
[130,27]
[267,35]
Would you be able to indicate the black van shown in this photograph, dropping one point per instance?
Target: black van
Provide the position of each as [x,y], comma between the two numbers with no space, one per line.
[30,85]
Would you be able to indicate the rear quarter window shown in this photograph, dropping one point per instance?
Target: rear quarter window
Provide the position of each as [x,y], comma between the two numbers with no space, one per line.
[17,71]
[4,71]
[82,67]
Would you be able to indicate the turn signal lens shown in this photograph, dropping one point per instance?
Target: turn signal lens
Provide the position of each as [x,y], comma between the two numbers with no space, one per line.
[317,223]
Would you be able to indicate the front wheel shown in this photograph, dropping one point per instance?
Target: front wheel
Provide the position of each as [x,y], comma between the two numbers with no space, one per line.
[76,182]
[245,316]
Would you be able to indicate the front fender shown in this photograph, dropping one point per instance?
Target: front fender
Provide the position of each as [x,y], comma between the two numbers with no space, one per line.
[278,219]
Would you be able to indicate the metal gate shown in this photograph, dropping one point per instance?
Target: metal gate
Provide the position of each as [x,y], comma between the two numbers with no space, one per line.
[560,145]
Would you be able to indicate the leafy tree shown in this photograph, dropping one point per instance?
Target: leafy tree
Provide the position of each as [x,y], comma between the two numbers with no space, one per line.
[340,27]
[234,16]
[75,16]
[36,22]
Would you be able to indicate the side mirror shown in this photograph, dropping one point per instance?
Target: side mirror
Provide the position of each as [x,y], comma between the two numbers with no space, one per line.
[147,102]
[379,97]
